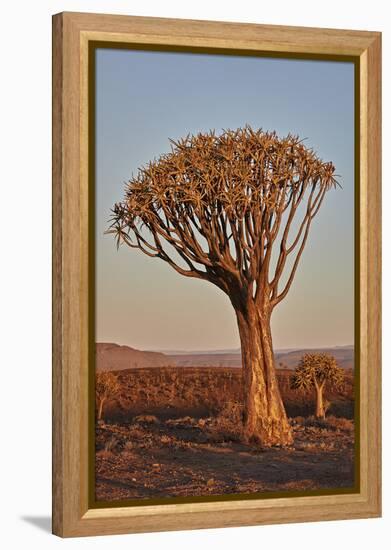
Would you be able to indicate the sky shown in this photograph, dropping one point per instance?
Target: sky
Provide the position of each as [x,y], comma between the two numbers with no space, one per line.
[145,98]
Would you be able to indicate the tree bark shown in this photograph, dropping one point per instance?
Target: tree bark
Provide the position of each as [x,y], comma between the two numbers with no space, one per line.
[265,419]
[320,412]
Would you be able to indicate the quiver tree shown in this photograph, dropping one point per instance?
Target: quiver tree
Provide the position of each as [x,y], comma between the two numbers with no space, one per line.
[316,371]
[107,387]
[218,208]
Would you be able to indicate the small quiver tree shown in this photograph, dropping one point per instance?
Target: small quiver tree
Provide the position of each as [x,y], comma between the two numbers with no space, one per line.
[219,208]
[107,387]
[317,370]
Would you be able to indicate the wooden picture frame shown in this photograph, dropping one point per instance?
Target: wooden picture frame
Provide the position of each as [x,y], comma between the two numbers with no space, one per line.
[72,35]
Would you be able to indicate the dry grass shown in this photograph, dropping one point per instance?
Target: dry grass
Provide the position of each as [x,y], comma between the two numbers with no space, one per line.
[199,392]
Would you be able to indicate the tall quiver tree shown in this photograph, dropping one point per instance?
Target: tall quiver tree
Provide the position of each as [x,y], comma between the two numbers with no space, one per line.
[317,370]
[218,208]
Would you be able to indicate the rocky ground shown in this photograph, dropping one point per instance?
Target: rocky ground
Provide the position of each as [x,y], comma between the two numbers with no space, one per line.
[152,458]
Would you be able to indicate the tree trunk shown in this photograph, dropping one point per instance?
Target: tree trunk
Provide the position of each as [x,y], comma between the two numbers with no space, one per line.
[100,409]
[320,412]
[265,419]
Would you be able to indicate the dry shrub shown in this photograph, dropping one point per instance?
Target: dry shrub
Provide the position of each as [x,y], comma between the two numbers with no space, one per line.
[298,420]
[329,423]
[313,422]
[343,424]
[183,422]
[128,450]
[111,444]
[136,433]
[229,421]
[232,411]
[128,446]
[146,419]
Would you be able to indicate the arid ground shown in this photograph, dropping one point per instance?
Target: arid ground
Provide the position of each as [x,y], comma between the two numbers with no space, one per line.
[175,431]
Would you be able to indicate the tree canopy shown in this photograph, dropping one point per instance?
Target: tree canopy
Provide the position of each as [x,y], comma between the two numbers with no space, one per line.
[316,370]
[215,205]
[107,385]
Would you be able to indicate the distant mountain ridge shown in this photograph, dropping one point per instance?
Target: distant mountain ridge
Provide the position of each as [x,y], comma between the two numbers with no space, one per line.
[115,357]
[285,359]
[343,354]
[110,356]
[232,351]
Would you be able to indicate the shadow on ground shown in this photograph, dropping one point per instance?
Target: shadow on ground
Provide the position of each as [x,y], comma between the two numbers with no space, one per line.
[44,523]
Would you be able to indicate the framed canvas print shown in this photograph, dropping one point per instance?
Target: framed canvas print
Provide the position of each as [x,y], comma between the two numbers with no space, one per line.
[216,240]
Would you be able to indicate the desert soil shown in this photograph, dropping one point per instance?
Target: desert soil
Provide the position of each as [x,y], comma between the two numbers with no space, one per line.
[151,458]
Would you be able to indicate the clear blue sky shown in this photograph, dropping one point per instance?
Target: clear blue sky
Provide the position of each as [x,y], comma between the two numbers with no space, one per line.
[144,98]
